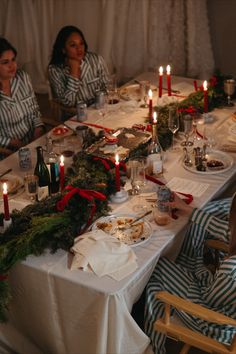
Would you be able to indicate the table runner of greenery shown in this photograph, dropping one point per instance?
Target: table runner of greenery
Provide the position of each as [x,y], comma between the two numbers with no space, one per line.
[55,222]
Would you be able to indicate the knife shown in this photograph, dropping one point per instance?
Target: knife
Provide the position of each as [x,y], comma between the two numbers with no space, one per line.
[6,172]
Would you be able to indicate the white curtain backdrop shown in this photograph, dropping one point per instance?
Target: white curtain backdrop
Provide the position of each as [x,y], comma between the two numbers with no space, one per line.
[132,35]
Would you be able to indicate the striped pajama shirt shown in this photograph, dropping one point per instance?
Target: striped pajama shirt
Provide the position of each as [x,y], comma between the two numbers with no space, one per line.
[190,279]
[68,90]
[19,114]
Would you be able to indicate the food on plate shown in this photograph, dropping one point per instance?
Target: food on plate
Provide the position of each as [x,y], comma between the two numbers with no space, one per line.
[110,140]
[129,136]
[120,229]
[215,165]
[60,130]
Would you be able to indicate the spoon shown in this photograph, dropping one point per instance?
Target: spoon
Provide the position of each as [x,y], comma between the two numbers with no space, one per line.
[134,221]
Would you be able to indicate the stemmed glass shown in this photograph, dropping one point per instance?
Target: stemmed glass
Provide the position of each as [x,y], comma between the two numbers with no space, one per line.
[138,181]
[144,88]
[103,107]
[229,88]
[188,128]
[173,124]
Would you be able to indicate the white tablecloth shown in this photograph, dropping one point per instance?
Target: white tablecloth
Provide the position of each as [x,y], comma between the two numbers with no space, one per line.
[59,311]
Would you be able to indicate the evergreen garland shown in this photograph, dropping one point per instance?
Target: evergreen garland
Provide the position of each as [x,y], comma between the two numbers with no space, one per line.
[41,226]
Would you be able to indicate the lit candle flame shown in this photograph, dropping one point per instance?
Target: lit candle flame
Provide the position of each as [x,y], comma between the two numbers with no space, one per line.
[62,160]
[155,117]
[205,85]
[161,70]
[4,187]
[150,94]
[117,159]
[168,69]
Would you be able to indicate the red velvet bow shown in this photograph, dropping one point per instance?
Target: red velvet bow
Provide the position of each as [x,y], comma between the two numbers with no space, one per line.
[3,277]
[103,161]
[190,110]
[84,193]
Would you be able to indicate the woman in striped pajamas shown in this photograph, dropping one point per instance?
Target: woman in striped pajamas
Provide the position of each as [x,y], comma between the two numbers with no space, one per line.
[74,73]
[20,118]
[189,278]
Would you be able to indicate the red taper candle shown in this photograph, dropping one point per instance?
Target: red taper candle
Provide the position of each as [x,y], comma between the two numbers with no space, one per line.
[150,104]
[168,80]
[117,165]
[160,80]
[205,96]
[62,173]
[5,202]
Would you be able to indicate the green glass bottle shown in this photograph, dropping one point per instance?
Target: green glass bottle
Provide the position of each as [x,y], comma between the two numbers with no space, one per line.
[41,170]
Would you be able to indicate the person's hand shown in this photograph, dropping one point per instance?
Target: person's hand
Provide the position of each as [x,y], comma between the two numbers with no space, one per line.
[39,131]
[179,204]
[74,65]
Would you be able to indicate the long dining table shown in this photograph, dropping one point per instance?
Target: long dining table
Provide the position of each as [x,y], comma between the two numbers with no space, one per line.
[59,311]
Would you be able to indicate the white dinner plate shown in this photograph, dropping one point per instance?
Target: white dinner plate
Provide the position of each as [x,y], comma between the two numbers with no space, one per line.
[110,224]
[225,158]
[15,185]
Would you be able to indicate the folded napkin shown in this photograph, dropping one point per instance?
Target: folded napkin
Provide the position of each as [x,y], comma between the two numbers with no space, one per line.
[103,254]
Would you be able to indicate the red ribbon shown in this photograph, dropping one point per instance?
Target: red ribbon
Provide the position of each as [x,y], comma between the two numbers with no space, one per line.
[195,85]
[94,125]
[190,110]
[84,193]
[3,277]
[103,161]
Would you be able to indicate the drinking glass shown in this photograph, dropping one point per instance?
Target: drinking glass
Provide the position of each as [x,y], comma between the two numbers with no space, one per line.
[188,128]
[173,124]
[144,88]
[112,91]
[103,109]
[31,186]
[229,88]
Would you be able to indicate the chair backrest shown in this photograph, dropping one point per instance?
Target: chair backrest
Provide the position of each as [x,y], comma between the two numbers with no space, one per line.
[232,226]
[187,335]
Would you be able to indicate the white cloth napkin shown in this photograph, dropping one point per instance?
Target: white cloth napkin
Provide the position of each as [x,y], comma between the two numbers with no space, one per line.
[103,254]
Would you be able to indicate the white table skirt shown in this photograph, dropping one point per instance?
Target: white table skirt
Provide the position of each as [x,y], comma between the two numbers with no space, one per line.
[55,310]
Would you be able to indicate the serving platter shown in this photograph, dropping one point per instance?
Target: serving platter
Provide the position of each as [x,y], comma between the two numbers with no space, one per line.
[15,185]
[215,155]
[60,132]
[128,139]
[139,233]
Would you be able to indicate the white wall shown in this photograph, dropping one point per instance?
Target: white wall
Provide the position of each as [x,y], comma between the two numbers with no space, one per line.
[222,21]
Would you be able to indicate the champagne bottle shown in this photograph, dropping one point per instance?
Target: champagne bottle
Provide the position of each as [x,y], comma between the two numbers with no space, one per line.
[155,155]
[53,167]
[42,172]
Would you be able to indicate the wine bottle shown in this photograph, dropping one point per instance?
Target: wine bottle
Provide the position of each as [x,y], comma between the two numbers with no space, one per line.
[155,155]
[53,167]
[42,172]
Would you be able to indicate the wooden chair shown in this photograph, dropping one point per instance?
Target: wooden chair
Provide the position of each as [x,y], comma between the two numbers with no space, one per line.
[58,111]
[168,326]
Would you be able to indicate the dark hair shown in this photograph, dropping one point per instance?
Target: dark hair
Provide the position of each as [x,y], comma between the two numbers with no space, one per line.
[5,45]
[58,56]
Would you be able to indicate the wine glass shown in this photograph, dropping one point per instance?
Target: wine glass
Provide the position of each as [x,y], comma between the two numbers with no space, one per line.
[173,123]
[144,88]
[188,128]
[112,92]
[103,107]
[229,88]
